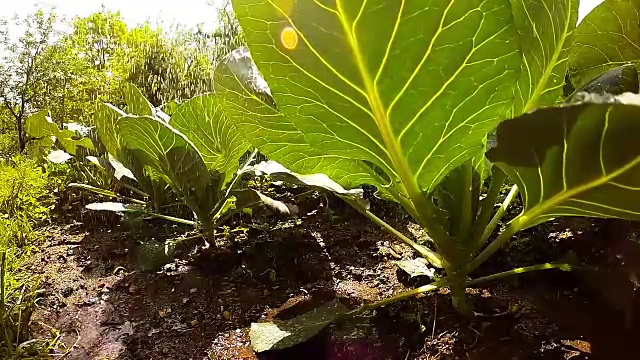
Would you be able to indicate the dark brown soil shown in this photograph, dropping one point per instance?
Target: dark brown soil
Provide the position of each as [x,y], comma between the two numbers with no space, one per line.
[200,305]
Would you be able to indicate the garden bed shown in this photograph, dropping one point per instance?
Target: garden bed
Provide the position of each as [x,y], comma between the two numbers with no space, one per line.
[201,305]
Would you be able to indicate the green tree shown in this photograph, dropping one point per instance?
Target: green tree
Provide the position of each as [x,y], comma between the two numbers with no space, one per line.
[100,37]
[173,65]
[178,64]
[68,78]
[228,36]
[22,66]
[100,41]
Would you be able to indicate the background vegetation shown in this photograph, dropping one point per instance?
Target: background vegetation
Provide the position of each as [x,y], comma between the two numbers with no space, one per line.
[68,73]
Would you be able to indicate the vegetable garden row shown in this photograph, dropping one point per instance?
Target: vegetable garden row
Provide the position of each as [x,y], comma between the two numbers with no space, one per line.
[437,104]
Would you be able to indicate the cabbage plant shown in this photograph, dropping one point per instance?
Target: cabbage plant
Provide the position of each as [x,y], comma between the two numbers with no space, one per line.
[428,100]
[193,155]
[41,128]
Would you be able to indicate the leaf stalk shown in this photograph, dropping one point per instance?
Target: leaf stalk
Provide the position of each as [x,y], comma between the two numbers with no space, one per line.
[428,254]
[513,227]
[487,204]
[488,230]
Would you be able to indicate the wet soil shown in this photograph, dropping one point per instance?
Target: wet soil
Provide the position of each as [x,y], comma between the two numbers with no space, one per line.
[107,304]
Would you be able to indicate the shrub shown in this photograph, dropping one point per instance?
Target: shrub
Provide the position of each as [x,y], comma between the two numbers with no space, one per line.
[8,144]
[25,200]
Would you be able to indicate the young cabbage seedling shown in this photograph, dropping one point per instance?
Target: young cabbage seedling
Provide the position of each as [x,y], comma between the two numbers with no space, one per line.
[403,95]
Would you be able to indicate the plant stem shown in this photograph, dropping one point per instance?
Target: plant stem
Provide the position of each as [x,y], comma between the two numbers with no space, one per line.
[488,230]
[137,191]
[486,206]
[503,238]
[457,283]
[239,173]
[135,201]
[466,207]
[407,294]
[444,282]
[171,218]
[104,192]
[521,270]
[428,254]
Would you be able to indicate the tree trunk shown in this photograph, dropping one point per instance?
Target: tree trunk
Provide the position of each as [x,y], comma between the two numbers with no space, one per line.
[64,109]
[22,141]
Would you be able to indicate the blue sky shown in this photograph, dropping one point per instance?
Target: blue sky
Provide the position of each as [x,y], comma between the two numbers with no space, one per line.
[187,12]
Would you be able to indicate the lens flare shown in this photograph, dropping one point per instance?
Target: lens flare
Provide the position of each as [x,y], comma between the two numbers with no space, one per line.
[289,38]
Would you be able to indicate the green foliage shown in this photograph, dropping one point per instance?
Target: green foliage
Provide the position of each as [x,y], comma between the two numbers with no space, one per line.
[25,200]
[40,127]
[606,38]
[175,68]
[195,152]
[177,64]
[410,111]
[23,71]
[220,145]
[8,144]
[544,53]
[170,154]
[17,305]
[68,73]
[119,160]
[100,37]
[580,160]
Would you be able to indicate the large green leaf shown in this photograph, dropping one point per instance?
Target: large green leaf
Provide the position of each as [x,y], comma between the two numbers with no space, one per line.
[169,153]
[242,86]
[40,126]
[202,120]
[412,102]
[609,36]
[126,163]
[137,104]
[546,31]
[106,119]
[579,160]
[70,141]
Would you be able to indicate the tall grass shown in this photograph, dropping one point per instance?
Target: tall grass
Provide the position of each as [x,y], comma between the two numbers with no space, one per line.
[25,201]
